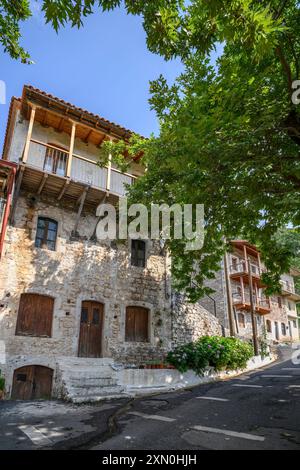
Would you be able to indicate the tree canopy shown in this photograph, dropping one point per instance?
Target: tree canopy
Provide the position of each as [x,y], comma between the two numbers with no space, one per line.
[229,134]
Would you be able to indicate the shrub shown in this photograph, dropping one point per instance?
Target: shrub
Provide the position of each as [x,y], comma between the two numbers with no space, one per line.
[2,384]
[214,351]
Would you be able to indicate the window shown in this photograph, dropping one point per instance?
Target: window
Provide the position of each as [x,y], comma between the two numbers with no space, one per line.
[294,323]
[279,302]
[290,306]
[269,326]
[35,315]
[137,320]
[138,253]
[46,233]
[241,320]
[283,329]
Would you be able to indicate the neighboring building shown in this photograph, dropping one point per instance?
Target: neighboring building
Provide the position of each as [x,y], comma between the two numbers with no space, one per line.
[70,305]
[276,315]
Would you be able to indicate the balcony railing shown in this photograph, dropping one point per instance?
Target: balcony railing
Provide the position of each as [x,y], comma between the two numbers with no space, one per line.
[52,159]
[287,286]
[259,302]
[242,267]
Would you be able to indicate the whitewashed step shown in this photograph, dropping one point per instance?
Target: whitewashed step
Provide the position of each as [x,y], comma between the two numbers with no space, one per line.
[88,380]
[95,391]
[95,399]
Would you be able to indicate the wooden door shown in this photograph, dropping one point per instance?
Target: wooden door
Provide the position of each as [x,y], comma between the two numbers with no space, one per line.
[32,382]
[276,331]
[91,323]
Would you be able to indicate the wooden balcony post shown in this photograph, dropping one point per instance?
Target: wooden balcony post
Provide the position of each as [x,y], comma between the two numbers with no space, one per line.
[243,289]
[108,182]
[29,134]
[246,257]
[259,263]
[253,319]
[71,149]
[229,297]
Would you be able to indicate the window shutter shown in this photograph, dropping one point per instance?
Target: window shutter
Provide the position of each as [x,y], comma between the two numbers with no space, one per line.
[137,324]
[35,315]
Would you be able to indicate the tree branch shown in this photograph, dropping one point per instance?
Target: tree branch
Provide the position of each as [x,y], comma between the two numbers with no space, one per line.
[286,67]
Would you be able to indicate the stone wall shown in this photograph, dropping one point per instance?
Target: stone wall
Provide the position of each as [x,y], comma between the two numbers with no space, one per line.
[191,321]
[216,302]
[79,270]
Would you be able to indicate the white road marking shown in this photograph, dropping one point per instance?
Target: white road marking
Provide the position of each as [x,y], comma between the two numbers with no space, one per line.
[277,376]
[213,398]
[35,435]
[157,417]
[293,386]
[247,385]
[242,435]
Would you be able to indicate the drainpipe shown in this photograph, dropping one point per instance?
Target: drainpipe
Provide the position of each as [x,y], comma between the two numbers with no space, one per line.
[11,179]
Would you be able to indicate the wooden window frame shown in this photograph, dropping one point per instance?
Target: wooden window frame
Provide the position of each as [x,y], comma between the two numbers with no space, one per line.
[45,240]
[243,323]
[269,326]
[135,259]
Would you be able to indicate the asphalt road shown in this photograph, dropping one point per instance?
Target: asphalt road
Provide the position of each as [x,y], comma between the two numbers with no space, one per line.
[258,410]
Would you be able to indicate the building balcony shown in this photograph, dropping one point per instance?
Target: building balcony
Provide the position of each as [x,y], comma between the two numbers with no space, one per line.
[240,270]
[288,290]
[242,302]
[47,166]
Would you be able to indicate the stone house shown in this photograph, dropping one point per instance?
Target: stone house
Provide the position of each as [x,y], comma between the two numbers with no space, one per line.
[276,316]
[74,308]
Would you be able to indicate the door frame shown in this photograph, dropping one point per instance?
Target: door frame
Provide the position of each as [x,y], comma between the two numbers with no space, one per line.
[80,301]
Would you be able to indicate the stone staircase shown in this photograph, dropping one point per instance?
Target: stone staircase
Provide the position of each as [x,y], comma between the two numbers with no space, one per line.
[87,380]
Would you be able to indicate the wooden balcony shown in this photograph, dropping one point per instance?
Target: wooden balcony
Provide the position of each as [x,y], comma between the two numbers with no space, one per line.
[240,270]
[242,302]
[46,170]
[288,290]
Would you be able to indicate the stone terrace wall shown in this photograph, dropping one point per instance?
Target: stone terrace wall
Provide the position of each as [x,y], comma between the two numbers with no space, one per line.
[191,321]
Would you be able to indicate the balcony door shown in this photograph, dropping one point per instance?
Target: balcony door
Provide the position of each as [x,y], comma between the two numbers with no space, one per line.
[56,159]
[91,324]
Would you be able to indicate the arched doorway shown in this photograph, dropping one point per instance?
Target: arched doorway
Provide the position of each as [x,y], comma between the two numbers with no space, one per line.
[91,324]
[32,382]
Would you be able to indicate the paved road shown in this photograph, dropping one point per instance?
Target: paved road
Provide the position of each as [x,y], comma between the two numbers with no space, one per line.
[259,410]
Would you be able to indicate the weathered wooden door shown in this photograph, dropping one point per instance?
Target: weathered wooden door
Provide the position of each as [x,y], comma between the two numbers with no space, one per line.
[32,382]
[90,329]
[276,331]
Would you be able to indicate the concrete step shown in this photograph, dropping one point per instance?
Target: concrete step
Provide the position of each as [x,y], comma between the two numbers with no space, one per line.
[90,381]
[95,391]
[95,399]
[84,361]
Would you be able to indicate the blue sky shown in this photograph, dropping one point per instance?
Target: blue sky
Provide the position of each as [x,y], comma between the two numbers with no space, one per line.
[104,67]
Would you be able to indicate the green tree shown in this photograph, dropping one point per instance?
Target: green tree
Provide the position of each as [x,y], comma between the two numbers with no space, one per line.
[229,135]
